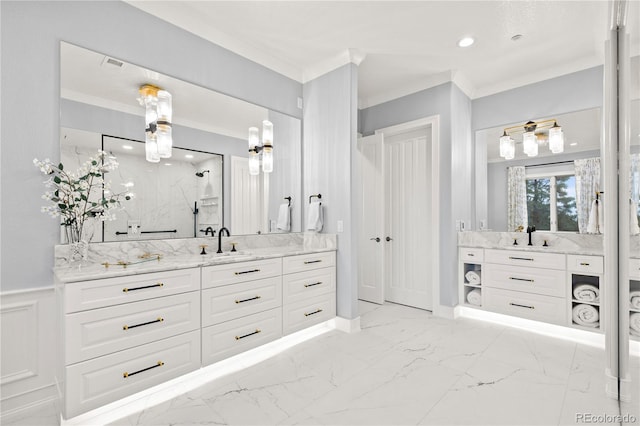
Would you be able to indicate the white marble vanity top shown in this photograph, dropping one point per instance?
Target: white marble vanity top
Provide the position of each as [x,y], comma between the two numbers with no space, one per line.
[184,253]
[562,243]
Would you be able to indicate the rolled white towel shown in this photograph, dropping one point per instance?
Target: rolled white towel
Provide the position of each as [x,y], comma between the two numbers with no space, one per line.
[586,293]
[634,299]
[586,315]
[474,297]
[634,324]
[473,277]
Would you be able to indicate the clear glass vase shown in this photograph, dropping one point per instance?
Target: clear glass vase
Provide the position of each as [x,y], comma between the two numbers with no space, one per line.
[78,252]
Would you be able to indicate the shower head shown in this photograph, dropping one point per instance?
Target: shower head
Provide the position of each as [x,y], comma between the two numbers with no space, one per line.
[201,174]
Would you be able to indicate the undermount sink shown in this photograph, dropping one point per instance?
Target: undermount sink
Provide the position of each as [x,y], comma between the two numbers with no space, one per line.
[228,255]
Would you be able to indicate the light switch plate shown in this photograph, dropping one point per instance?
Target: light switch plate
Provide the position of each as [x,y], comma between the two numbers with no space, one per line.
[340,226]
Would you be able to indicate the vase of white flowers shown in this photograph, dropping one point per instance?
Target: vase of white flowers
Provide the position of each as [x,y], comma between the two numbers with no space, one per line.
[79,198]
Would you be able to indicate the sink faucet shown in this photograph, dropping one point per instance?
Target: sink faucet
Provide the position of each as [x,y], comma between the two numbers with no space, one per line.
[530,230]
[209,229]
[220,232]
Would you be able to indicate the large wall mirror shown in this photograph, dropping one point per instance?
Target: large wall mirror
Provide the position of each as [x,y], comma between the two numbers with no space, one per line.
[550,178]
[205,184]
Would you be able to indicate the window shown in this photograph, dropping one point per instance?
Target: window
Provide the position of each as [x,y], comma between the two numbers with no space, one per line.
[551,203]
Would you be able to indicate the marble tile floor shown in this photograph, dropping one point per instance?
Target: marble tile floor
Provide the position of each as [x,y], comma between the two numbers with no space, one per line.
[405,367]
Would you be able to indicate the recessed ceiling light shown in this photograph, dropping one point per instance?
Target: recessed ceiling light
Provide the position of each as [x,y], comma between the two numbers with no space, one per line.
[127,147]
[573,143]
[516,37]
[188,156]
[167,164]
[466,42]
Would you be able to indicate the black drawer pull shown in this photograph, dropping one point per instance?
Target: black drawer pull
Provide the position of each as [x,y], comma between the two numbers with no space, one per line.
[584,264]
[521,279]
[159,364]
[520,258]
[125,290]
[306,262]
[470,254]
[311,285]
[250,334]
[522,306]
[248,300]
[127,327]
[313,313]
[247,272]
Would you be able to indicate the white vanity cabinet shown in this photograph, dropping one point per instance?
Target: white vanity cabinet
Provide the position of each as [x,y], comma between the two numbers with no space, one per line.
[525,284]
[531,284]
[309,290]
[241,307]
[122,335]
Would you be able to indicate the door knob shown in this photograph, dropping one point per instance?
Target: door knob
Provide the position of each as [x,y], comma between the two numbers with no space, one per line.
[389,239]
[376,239]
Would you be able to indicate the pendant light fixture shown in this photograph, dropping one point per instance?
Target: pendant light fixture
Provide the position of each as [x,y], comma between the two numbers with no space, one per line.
[266,147]
[534,134]
[158,115]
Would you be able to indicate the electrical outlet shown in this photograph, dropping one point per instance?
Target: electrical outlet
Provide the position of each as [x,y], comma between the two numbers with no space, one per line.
[340,226]
[134,227]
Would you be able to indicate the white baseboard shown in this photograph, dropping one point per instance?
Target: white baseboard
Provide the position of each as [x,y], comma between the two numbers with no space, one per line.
[28,351]
[347,325]
[448,312]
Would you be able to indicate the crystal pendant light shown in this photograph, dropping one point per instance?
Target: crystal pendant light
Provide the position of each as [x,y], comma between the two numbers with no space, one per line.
[158,115]
[267,145]
[556,139]
[507,147]
[530,144]
[164,134]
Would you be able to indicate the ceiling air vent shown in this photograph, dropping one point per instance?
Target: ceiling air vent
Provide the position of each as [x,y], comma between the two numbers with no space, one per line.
[110,61]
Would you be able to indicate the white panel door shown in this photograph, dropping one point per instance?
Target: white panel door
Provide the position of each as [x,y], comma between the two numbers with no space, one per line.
[408,219]
[247,199]
[371,223]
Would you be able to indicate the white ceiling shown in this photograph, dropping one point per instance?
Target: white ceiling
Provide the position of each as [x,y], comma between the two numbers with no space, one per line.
[407,45]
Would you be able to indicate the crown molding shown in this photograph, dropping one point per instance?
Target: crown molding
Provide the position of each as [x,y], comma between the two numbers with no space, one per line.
[347,56]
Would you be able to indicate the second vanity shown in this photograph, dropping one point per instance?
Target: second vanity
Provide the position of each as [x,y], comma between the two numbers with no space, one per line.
[149,323]
[535,282]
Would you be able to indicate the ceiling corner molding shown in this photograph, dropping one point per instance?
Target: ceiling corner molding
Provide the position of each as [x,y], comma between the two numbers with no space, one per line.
[463,83]
[347,56]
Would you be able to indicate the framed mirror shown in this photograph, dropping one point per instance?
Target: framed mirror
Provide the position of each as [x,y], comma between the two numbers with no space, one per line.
[100,110]
[550,178]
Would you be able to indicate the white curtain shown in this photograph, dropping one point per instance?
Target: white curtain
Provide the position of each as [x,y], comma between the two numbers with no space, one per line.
[517,198]
[587,184]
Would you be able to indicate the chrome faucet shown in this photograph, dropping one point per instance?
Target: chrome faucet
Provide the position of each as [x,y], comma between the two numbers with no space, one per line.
[530,230]
[209,229]
[220,232]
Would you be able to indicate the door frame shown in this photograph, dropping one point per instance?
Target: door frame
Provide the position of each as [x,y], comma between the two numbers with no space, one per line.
[431,124]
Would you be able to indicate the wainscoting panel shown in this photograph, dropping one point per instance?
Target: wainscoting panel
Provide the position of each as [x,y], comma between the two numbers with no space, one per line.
[28,350]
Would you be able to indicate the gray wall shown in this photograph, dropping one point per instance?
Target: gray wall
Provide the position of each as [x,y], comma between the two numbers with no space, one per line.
[329,141]
[571,92]
[454,109]
[30,35]
[77,115]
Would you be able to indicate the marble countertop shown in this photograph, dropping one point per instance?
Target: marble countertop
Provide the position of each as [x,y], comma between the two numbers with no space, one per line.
[540,249]
[561,243]
[95,271]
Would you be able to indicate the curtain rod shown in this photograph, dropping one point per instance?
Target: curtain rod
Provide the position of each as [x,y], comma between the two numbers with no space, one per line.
[550,164]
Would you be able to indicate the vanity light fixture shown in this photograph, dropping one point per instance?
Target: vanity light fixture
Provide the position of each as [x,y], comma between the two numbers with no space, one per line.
[255,147]
[158,114]
[534,134]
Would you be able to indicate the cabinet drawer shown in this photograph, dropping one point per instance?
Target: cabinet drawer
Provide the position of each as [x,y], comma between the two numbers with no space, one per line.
[634,269]
[231,273]
[526,258]
[303,285]
[306,313]
[532,306]
[234,301]
[307,262]
[85,295]
[106,379]
[232,337]
[102,331]
[532,280]
[585,264]
[474,255]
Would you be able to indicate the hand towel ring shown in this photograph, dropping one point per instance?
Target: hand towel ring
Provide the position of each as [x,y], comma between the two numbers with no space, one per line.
[318,196]
[289,200]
